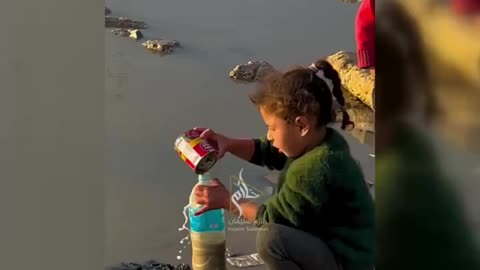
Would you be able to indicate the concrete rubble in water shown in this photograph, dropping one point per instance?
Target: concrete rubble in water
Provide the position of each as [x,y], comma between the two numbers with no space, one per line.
[150,265]
[251,71]
[358,82]
[123,22]
[131,33]
[163,46]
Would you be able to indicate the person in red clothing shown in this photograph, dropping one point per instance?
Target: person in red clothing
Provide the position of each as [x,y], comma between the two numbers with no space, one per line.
[466,7]
[365,35]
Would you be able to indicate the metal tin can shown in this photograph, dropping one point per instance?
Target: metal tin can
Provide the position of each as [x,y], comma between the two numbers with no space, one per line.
[199,155]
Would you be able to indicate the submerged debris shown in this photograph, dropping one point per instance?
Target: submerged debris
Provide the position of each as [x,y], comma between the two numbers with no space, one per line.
[163,46]
[228,253]
[151,265]
[251,71]
[121,32]
[246,260]
[123,22]
[135,34]
[131,33]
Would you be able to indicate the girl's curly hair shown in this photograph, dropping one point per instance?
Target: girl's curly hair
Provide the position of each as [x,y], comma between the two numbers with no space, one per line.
[300,92]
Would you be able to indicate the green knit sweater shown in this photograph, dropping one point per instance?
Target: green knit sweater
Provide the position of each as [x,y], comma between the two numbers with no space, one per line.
[420,218]
[323,192]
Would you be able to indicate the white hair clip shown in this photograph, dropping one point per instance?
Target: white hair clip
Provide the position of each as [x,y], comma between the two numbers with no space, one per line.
[321,75]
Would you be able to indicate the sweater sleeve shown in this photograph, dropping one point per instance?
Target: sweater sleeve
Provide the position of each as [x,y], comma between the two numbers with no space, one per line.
[365,34]
[266,155]
[303,193]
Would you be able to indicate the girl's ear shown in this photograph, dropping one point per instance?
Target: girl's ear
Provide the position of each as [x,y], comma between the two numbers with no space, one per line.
[303,124]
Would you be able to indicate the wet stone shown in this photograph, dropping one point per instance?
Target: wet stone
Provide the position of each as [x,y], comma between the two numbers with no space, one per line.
[123,22]
[121,32]
[251,71]
[162,46]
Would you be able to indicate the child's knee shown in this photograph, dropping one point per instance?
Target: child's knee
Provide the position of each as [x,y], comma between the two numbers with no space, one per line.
[268,237]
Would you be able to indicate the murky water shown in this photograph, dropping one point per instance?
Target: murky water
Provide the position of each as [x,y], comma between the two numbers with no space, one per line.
[150,100]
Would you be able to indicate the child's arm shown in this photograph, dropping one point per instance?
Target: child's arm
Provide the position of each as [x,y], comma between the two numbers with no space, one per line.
[257,151]
[241,148]
[266,155]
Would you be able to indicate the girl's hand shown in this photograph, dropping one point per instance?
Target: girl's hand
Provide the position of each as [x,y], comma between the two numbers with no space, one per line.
[213,196]
[218,141]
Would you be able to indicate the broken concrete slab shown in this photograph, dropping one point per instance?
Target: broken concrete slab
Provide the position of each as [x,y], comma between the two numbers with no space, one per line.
[362,115]
[121,32]
[358,82]
[251,71]
[123,22]
[150,265]
[162,46]
[135,34]
[131,33]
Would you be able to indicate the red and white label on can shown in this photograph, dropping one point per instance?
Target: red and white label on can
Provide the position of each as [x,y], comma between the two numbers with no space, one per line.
[197,153]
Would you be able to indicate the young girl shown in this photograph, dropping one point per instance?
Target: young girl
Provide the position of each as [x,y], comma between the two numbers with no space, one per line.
[322,216]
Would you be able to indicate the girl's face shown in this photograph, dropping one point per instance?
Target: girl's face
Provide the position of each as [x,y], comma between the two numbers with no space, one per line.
[288,138]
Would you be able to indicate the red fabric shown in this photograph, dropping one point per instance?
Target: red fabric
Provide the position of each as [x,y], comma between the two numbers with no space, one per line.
[365,34]
[466,7]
